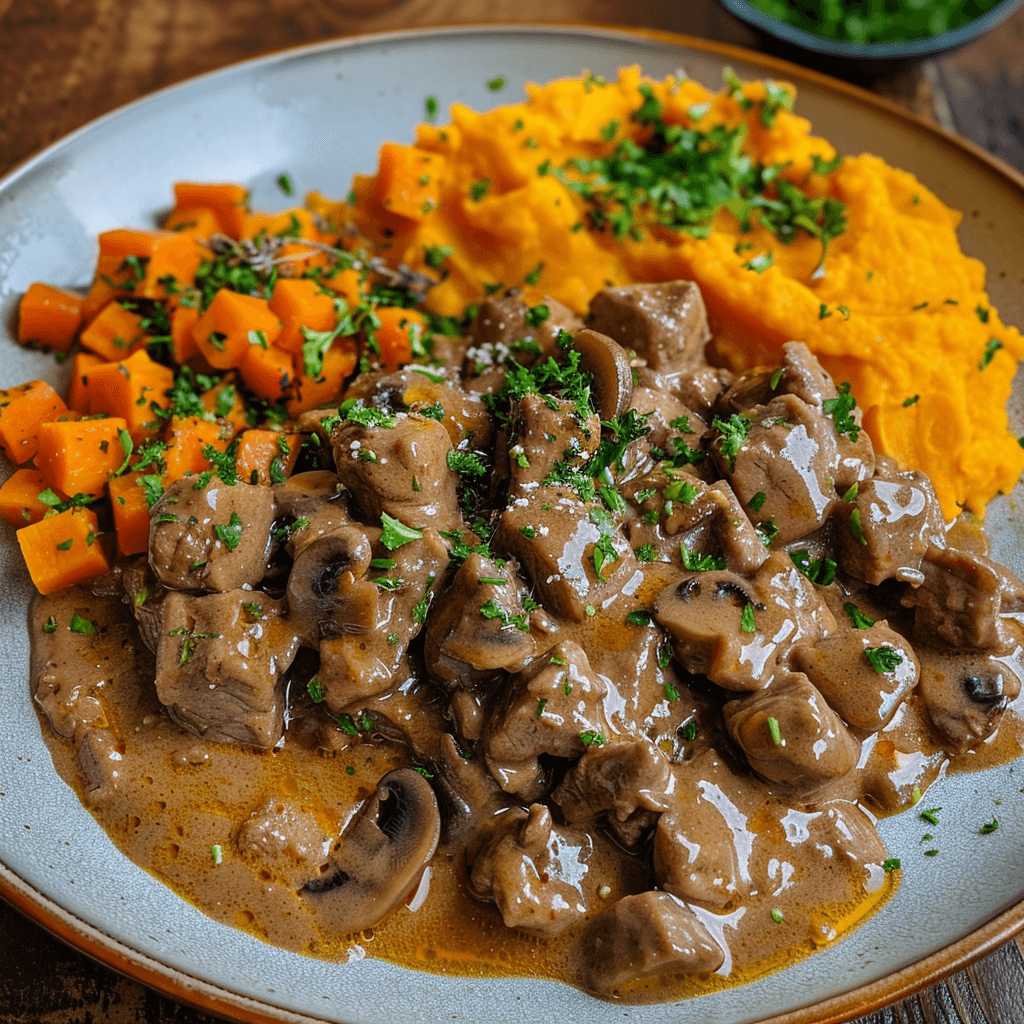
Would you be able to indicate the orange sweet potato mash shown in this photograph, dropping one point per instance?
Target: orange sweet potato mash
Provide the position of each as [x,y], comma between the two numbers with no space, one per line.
[896,309]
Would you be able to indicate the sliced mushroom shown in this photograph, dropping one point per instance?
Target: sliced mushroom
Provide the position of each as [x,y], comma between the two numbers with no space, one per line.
[606,361]
[314,603]
[382,854]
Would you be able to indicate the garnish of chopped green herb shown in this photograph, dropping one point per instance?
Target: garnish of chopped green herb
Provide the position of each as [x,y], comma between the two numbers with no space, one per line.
[912,400]
[821,571]
[479,189]
[253,609]
[734,431]
[493,581]
[989,827]
[81,625]
[231,535]
[823,312]
[435,255]
[65,545]
[688,731]
[315,690]
[747,623]
[50,625]
[671,691]
[396,533]
[992,346]
[695,562]
[592,738]
[774,731]
[858,620]
[188,641]
[891,864]
[883,659]
[492,610]
[466,463]
[776,915]
[495,84]
[646,553]
[757,501]
[430,106]
[856,528]
[389,582]
[216,853]
[982,313]
[760,263]
[840,408]
[639,618]
[931,815]
[541,705]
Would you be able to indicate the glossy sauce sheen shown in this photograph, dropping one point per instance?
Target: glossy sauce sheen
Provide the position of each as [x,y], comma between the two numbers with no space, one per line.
[176,798]
[650,749]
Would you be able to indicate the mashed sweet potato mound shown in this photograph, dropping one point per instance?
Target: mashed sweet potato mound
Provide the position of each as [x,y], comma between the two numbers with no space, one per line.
[896,309]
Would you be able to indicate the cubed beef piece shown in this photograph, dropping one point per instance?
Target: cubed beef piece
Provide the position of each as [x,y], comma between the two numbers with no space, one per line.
[535,871]
[781,461]
[554,707]
[401,469]
[546,429]
[665,323]
[791,736]
[479,628]
[863,686]
[885,530]
[559,541]
[960,602]
[220,665]
[215,537]
[642,936]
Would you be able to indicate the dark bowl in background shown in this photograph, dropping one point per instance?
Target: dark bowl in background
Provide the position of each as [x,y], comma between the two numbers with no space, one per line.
[862,60]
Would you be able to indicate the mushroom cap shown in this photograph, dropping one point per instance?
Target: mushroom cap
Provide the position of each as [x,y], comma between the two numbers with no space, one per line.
[382,854]
[606,360]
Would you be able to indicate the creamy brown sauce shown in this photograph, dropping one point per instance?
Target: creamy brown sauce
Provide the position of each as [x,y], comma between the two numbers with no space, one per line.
[707,746]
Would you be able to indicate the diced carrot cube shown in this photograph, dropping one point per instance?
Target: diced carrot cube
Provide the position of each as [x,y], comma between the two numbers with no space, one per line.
[232,323]
[131,513]
[226,403]
[197,222]
[394,338]
[49,317]
[131,389]
[268,372]
[63,550]
[346,283]
[326,386]
[299,302]
[23,411]
[19,497]
[114,332]
[183,345]
[228,202]
[186,438]
[78,390]
[408,180]
[78,457]
[266,456]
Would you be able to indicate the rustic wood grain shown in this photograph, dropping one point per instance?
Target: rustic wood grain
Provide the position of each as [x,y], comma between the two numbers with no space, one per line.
[65,62]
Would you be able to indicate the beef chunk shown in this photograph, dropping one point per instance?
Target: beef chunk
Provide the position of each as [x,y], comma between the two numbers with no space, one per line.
[365,652]
[784,466]
[533,870]
[666,324]
[553,536]
[480,627]
[839,667]
[704,615]
[653,397]
[310,505]
[287,838]
[102,761]
[220,665]
[213,538]
[887,527]
[644,935]
[791,736]
[554,707]
[546,429]
[961,599]
[401,470]
[702,843]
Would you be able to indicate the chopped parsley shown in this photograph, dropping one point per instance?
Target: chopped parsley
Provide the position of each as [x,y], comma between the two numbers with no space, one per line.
[231,535]
[396,533]
[992,346]
[821,571]
[858,620]
[747,623]
[883,659]
[695,562]
[774,731]
[840,408]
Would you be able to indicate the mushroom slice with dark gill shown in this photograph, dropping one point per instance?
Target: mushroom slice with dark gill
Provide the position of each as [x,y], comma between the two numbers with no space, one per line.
[381,856]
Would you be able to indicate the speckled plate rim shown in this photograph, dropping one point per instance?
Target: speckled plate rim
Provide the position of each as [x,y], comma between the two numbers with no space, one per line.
[215,999]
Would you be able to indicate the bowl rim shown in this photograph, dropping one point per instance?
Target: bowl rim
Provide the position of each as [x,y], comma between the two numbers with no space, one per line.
[214,999]
[872,52]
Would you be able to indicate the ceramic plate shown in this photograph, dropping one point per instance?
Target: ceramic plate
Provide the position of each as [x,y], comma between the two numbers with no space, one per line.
[319,114]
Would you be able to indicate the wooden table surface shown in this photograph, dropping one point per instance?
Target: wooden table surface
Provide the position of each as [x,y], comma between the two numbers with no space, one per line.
[64,62]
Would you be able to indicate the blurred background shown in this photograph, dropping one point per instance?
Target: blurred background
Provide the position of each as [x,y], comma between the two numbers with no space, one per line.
[65,62]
